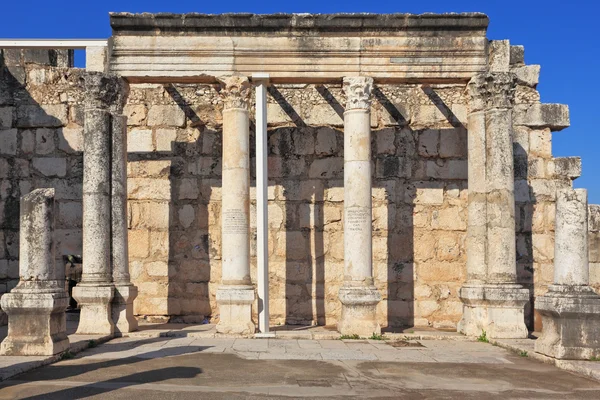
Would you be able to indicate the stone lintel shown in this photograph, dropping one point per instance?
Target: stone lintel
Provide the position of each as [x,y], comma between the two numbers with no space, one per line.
[297,48]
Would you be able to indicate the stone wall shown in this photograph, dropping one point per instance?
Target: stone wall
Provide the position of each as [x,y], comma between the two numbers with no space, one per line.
[420,187]
[40,146]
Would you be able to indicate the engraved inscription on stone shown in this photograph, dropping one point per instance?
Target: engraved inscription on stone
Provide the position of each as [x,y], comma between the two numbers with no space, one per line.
[356,219]
[234,221]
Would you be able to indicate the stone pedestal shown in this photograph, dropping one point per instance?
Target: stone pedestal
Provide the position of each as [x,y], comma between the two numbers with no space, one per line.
[104,202]
[36,306]
[571,309]
[122,309]
[236,294]
[493,302]
[358,295]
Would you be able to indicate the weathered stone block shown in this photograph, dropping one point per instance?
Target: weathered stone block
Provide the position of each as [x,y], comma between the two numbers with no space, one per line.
[323,114]
[327,168]
[528,75]
[566,167]
[148,189]
[165,139]
[171,115]
[428,143]
[70,140]
[140,141]
[45,140]
[499,55]
[8,141]
[6,117]
[517,55]
[326,141]
[553,116]
[51,166]
[39,116]
[135,113]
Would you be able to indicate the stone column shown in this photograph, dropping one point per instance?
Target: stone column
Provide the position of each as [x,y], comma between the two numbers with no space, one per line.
[358,294]
[125,291]
[36,306]
[95,292]
[570,309]
[236,293]
[493,301]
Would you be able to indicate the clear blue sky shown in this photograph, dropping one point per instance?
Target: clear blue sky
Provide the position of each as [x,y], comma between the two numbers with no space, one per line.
[559,35]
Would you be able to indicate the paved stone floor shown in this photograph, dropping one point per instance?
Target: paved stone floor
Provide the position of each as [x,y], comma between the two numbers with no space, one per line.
[210,368]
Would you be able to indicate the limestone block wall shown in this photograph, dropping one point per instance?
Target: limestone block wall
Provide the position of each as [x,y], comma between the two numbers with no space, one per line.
[40,146]
[420,191]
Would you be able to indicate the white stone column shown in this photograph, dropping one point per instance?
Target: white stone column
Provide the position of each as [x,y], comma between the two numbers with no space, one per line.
[236,293]
[358,295]
[571,254]
[570,309]
[36,306]
[493,301]
[95,292]
[125,291]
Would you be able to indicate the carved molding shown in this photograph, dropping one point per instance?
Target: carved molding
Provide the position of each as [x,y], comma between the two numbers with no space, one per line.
[491,90]
[235,91]
[358,92]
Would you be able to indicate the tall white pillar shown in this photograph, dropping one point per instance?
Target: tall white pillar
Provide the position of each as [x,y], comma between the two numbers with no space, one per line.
[262,228]
[493,302]
[236,293]
[358,294]
[570,309]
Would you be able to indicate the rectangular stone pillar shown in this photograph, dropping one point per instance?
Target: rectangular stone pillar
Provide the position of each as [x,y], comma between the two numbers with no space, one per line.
[493,301]
[36,306]
[104,210]
[570,309]
[236,293]
[358,294]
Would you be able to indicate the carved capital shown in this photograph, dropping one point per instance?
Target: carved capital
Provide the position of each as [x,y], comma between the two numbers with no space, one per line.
[105,92]
[492,90]
[235,91]
[358,92]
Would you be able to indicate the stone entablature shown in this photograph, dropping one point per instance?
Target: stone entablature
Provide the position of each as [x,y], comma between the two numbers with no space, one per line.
[299,47]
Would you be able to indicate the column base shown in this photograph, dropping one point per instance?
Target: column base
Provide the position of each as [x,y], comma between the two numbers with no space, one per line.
[571,323]
[235,309]
[96,311]
[359,311]
[122,309]
[499,310]
[36,324]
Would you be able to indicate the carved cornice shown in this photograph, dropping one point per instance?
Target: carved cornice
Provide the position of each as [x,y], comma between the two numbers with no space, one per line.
[105,92]
[235,91]
[358,92]
[492,90]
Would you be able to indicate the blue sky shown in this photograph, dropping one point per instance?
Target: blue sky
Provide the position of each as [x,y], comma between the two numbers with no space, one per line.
[559,35]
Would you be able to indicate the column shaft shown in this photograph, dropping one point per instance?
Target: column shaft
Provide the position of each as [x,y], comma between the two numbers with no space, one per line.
[358,266]
[571,256]
[236,293]
[358,295]
[235,206]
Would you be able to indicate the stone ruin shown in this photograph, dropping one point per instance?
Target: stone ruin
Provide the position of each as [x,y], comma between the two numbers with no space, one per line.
[411,181]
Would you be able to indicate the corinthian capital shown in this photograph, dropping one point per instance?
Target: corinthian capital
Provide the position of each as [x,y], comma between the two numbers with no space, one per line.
[235,91]
[358,92]
[492,90]
[105,91]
